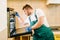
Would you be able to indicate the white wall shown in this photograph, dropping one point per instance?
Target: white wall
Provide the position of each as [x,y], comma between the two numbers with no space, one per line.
[3,20]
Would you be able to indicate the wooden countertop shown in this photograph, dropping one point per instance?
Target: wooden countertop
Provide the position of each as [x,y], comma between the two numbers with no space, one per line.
[21,32]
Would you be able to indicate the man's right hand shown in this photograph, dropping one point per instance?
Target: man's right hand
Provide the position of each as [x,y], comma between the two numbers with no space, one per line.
[28,29]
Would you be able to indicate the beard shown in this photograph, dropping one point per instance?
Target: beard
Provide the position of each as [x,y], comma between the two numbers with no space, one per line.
[29,14]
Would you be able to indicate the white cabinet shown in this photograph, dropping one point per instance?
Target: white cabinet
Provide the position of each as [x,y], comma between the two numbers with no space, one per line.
[53,2]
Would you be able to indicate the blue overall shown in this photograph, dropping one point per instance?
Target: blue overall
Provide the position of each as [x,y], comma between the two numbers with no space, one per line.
[41,33]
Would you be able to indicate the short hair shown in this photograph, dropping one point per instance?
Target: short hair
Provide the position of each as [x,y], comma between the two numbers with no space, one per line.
[27,6]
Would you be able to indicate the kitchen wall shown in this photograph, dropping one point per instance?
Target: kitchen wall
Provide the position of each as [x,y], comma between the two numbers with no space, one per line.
[3,34]
[3,20]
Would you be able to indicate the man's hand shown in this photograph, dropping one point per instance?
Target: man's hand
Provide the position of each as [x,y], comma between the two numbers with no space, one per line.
[32,32]
[28,29]
[17,14]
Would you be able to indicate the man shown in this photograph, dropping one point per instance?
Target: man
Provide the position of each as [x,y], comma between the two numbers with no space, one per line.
[38,23]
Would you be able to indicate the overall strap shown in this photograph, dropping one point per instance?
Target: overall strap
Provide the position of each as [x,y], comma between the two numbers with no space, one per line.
[29,19]
[35,15]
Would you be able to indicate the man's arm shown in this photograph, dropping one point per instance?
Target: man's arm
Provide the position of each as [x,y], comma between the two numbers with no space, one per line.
[19,18]
[39,23]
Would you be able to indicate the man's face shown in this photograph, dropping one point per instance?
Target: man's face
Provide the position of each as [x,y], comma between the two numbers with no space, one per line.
[28,11]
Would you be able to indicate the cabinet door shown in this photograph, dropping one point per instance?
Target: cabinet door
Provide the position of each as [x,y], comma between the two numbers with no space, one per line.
[57,36]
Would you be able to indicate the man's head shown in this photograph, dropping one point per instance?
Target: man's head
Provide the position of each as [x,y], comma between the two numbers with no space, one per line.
[27,9]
